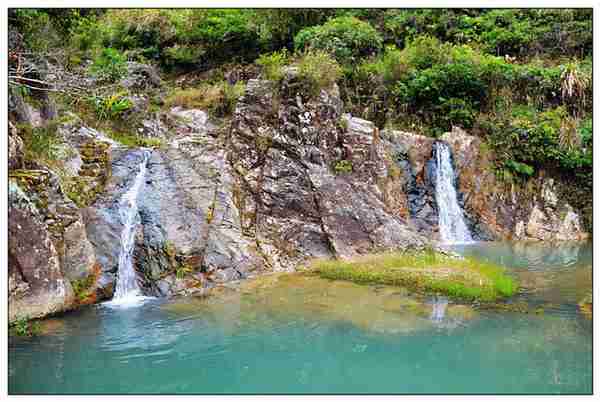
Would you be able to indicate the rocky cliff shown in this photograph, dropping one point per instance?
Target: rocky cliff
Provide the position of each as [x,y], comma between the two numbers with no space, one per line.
[287,178]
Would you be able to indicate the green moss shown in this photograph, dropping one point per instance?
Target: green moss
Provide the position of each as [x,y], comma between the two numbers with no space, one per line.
[428,271]
[25,327]
[343,166]
[134,141]
[83,288]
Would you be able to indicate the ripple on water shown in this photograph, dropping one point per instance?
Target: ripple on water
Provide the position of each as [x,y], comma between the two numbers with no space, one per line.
[296,333]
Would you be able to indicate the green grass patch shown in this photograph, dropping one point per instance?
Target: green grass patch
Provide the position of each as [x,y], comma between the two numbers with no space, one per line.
[427,272]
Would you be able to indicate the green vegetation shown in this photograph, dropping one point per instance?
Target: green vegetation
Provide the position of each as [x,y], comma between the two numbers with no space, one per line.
[520,79]
[25,327]
[40,143]
[346,38]
[109,65]
[427,271]
[273,63]
[82,288]
[319,70]
[134,140]
[112,106]
[343,166]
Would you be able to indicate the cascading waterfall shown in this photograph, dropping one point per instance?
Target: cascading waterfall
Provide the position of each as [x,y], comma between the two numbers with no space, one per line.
[438,311]
[127,288]
[451,220]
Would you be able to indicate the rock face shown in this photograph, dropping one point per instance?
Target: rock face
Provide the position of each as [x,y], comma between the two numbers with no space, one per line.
[288,178]
[309,179]
[529,211]
[36,284]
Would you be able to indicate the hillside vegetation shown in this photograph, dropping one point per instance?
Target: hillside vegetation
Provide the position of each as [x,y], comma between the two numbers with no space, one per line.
[518,78]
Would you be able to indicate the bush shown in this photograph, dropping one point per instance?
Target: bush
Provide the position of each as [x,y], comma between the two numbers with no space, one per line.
[516,32]
[113,106]
[277,27]
[224,34]
[273,63]
[319,70]
[110,65]
[346,38]
[25,327]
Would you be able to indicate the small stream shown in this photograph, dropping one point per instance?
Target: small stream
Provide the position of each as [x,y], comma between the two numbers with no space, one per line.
[296,334]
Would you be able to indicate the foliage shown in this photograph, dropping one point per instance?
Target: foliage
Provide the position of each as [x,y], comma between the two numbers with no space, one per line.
[112,106]
[343,166]
[277,27]
[25,327]
[40,143]
[82,288]
[183,38]
[110,65]
[426,271]
[131,140]
[319,70]
[346,38]
[273,63]
[516,32]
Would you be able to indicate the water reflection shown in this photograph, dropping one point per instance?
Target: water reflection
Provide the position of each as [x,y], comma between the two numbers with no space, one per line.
[295,333]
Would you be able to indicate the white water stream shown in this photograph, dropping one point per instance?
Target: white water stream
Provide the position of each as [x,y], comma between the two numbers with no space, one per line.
[127,290]
[453,229]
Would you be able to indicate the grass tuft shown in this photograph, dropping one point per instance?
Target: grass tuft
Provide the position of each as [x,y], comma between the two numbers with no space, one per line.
[428,272]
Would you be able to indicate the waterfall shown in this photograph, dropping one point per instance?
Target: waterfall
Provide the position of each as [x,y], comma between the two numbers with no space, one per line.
[127,288]
[438,310]
[451,220]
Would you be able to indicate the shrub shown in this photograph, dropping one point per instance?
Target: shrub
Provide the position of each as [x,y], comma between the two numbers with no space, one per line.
[347,38]
[113,106]
[25,327]
[273,63]
[277,27]
[224,33]
[319,70]
[110,65]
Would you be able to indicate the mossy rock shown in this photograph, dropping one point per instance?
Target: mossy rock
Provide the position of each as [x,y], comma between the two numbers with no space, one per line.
[423,272]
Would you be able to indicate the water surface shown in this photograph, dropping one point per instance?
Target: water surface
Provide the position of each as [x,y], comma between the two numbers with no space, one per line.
[298,334]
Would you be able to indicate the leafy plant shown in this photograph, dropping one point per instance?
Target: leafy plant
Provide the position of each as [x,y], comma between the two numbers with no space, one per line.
[26,327]
[346,38]
[319,70]
[110,65]
[113,106]
[520,168]
[273,63]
